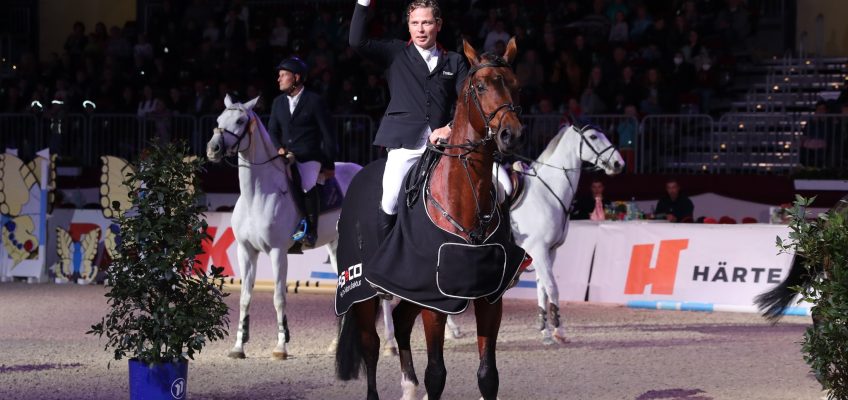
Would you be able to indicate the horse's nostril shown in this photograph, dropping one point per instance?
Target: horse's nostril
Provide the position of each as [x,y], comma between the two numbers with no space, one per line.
[616,164]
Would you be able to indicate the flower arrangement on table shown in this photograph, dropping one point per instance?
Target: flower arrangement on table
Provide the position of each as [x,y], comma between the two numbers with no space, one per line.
[623,211]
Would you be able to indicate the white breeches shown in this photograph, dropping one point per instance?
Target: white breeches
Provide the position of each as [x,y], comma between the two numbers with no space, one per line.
[399,162]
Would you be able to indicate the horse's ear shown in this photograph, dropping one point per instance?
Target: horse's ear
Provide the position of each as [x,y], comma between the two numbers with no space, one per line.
[511,51]
[470,53]
[250,104]
[228,102]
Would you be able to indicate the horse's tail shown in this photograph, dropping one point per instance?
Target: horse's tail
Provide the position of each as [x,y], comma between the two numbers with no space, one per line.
[772,303]
[349,350]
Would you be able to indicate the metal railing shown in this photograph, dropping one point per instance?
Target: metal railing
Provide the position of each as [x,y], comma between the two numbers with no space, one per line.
[81,139]
[675,144]
[758,143]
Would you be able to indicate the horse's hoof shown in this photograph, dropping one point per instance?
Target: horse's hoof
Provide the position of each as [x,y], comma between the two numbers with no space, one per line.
[390,351]
[547,341]
[279,355]
[239,355]
[454,333]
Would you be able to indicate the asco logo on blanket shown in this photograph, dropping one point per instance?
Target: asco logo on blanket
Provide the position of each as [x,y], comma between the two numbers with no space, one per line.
[697,271]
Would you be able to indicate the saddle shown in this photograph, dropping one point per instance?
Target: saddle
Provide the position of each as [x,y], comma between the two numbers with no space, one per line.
[517,172]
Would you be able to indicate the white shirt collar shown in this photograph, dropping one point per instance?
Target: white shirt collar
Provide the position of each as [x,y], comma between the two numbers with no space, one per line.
[293,100]
[427,53]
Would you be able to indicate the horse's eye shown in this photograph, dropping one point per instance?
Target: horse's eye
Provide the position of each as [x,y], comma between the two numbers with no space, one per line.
[480,86]
[239,122]
[593,137]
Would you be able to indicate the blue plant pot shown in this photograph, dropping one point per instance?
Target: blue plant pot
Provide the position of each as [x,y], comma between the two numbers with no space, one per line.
[167,381]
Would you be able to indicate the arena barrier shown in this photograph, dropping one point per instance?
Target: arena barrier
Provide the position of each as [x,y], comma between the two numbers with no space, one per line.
[641,264]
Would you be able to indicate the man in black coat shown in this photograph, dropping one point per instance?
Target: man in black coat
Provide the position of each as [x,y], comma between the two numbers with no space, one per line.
[424,81]
[674,206]
[300,125]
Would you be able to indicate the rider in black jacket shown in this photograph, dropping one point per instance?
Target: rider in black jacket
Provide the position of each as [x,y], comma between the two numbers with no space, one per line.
[300,125]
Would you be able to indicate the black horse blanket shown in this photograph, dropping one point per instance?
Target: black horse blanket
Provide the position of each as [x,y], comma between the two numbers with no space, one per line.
[419,262]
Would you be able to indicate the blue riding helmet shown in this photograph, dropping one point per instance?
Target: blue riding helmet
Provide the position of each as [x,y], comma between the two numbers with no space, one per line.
[294,65]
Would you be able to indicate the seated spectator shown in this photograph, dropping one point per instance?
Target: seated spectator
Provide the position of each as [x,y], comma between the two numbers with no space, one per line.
[593,206]
[733,24]
[495,35]
[693,52]
[615,8]
[626,132]
[143,49]
[148,103]
[655,98]
[280,34]
[628,87]
[543,107]
[706,84]
[641,23]
[530,73]
[674,206]
[619,31]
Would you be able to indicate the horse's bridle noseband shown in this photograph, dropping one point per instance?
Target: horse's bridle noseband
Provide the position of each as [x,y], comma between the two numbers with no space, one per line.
[496,62]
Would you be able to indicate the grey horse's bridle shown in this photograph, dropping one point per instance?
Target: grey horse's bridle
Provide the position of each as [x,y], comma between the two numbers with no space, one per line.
[244,133]
[599,160]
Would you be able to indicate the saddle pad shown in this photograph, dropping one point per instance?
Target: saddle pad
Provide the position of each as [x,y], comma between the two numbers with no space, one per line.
[470,272]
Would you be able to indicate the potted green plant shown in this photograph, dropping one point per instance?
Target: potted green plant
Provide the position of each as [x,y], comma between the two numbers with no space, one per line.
[821,244]
[162,307]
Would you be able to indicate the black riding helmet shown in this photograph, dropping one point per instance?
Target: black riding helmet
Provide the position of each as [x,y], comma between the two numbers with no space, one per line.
[294,65]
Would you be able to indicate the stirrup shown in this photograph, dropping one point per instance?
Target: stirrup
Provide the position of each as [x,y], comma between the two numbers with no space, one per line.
[300,233]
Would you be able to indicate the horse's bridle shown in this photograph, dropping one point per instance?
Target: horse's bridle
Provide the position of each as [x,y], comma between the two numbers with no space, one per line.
[598,154]
[239,138]
[476,234]
[496,62]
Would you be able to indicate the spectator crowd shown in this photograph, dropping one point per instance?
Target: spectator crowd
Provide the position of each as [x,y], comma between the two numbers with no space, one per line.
[576,57]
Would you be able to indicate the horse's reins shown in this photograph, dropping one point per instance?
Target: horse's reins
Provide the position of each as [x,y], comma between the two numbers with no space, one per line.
[595,167]
[476,235]
[239,138]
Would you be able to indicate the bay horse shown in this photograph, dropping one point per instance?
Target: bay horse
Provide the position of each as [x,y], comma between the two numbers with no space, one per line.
[460,199]
[265,215]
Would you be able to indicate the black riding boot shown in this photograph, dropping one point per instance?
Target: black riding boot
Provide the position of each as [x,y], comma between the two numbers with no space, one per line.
[312,202]
[300,201]
[385,223]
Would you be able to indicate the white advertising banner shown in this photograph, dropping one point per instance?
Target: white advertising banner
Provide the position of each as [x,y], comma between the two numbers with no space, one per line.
[687,266]
[571,267]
